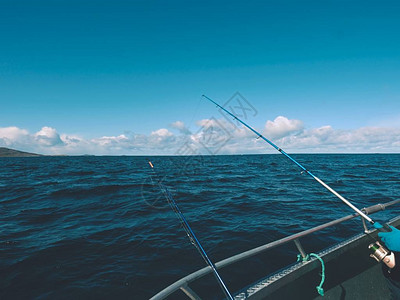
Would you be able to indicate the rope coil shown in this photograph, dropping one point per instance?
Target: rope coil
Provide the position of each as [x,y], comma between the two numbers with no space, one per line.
[319,288]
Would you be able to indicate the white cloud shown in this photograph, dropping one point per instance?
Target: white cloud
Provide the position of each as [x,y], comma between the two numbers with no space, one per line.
[162,133]
[14,137]
[48,136]
[181,127]
[282,126]
[327,139]
[212,137]
[162,139]
[110,140]
[9,135]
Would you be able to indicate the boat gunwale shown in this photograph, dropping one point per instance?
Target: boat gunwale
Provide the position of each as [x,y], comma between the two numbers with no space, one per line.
[183,283]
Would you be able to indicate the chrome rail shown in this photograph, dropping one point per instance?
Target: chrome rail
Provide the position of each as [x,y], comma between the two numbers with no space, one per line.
[183,283]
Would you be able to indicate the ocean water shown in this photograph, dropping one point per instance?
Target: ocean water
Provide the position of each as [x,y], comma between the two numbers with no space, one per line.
[99,228]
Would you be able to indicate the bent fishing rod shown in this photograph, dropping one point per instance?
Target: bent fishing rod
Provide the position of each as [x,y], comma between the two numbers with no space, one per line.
[192,237]
[385,227]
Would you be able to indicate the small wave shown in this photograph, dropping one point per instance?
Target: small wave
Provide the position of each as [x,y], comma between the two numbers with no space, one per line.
[100,190]
[81,173]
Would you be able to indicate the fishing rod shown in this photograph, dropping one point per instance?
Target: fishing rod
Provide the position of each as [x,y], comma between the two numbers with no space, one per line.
[192,237]
[384,227]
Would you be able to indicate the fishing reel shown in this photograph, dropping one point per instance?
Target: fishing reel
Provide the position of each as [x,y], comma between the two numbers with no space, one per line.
[380,253]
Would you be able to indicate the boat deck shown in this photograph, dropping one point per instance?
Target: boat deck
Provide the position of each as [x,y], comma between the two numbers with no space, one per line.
[349,274]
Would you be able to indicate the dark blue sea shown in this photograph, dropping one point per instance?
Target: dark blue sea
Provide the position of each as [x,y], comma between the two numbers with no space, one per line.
[99,228]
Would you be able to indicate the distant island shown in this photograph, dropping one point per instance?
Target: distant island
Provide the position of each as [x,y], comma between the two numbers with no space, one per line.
[6,152]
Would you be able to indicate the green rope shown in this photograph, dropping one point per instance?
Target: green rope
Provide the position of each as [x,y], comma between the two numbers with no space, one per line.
[320,290]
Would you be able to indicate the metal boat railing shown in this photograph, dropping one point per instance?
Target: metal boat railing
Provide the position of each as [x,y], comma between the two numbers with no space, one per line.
[183,283]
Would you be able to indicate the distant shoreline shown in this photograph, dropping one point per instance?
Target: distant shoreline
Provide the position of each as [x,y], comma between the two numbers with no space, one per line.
[6,152]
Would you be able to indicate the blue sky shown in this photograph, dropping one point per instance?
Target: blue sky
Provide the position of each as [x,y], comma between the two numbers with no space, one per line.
[126,77]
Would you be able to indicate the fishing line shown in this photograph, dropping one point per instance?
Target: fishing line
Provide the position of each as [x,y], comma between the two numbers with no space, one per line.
[191,235]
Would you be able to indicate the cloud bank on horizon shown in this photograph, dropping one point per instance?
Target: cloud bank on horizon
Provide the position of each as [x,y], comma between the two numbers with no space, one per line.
[211,136]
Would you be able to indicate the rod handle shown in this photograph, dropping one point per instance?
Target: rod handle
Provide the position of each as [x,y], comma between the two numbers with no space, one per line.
[385,228]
